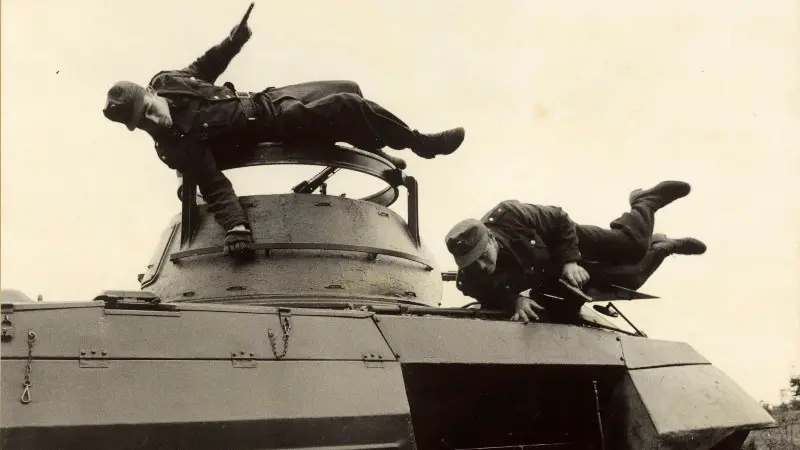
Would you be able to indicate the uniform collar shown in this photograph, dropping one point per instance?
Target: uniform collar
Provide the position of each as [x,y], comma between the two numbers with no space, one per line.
[181,123]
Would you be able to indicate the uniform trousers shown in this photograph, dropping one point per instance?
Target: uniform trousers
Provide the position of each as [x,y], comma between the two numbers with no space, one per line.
[329,111]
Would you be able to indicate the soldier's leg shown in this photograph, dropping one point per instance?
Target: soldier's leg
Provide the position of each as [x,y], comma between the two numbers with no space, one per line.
[313,90]
[365,124]
[627,239]
[634,276]
[317,90]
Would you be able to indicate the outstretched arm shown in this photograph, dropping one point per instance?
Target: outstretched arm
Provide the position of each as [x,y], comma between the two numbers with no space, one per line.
[216,189]
[194,160]
[215,60]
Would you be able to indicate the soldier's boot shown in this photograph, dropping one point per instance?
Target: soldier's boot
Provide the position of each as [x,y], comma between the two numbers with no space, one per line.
[661,194]
[682,246]
[444,143]
[400,163]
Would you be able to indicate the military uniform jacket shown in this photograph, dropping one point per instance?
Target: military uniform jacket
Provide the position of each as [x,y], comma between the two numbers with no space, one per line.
[535,243]
[202,115]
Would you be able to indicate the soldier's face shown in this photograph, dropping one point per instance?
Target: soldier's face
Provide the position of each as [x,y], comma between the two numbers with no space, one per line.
[156,112]
[487,262]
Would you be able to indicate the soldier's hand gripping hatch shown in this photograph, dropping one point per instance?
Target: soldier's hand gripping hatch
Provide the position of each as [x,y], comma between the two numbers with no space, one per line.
[239,243]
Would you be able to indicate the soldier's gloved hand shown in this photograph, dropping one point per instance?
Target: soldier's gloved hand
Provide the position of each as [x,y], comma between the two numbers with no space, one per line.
[575,274]
[239,243]
[240,35]
[525,310]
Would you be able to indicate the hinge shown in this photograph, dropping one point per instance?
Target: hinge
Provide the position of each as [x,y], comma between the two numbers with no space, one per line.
[373,360]
[92,358]
[112,298]
[8,329]
[243,360]
[146,302]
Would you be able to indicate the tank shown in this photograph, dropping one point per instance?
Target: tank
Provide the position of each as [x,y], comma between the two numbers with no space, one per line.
[334,337]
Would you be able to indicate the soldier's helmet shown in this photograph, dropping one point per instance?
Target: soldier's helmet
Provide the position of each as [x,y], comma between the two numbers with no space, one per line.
[125,104]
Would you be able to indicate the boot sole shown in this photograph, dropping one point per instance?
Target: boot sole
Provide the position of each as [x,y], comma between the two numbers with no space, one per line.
[668,190]
[461,135]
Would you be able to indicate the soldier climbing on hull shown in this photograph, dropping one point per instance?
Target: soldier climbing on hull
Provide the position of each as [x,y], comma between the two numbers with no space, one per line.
[519,246]
[193,122]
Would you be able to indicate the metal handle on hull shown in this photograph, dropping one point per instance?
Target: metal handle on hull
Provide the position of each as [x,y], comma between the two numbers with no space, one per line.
[306,246]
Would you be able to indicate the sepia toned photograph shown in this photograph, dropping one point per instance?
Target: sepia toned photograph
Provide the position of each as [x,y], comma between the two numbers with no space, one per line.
[444,225]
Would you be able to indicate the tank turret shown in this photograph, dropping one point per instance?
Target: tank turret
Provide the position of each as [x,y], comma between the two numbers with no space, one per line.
[359,250]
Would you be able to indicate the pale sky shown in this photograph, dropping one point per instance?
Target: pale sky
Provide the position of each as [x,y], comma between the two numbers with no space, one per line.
[571,103]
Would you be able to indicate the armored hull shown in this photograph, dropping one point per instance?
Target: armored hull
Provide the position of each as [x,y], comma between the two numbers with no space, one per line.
[333,338]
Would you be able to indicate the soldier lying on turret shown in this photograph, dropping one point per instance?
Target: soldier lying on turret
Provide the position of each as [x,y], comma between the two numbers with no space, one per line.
[191,121]
[519,246]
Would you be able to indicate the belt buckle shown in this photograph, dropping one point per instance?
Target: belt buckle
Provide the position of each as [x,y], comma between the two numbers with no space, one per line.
[242,94]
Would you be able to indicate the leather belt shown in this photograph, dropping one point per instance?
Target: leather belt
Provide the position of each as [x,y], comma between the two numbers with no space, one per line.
[248,106]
